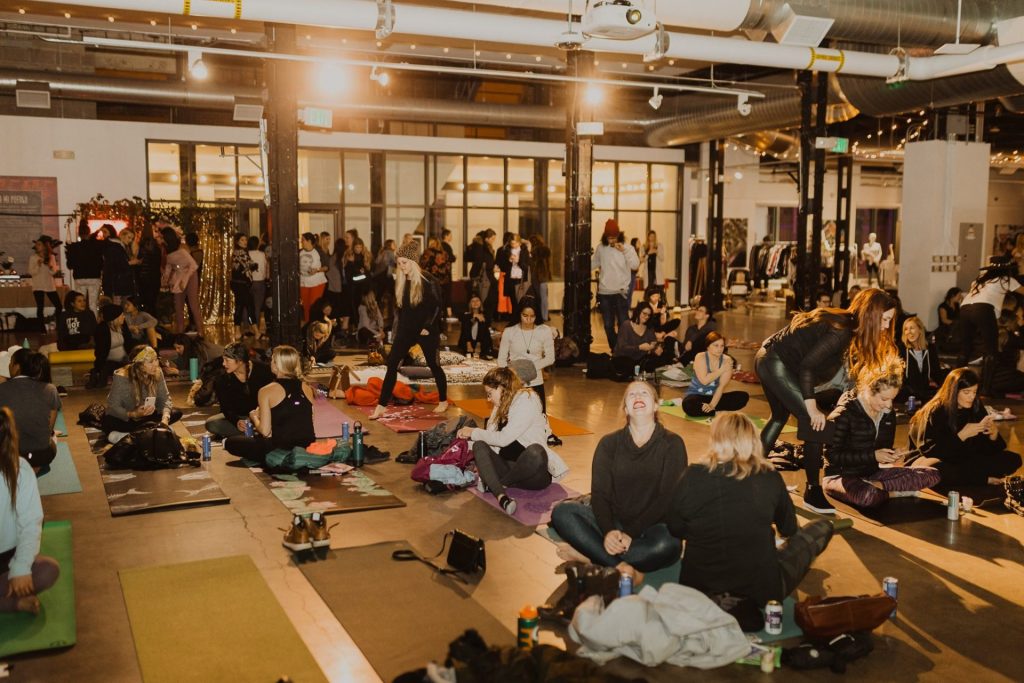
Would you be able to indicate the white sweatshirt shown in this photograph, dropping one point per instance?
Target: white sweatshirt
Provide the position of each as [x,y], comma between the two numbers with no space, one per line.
[536,345]
[527,425]
[616,268]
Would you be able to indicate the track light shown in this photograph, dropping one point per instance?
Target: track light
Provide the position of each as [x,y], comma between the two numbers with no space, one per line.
[196,65]
[381,77]
[656,99]
[593,95]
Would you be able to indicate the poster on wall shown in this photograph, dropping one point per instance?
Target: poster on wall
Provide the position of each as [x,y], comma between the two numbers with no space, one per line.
[1006,238]
[734,242]
[28,209]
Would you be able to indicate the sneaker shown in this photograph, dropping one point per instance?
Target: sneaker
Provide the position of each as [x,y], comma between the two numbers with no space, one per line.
[507,504]
[480,486]
[296,538]
[114,437]
[62,391]
[319,532]
[904,494]
[554,440]
[815,501]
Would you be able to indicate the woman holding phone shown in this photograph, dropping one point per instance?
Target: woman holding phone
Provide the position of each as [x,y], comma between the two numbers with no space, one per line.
[138,396]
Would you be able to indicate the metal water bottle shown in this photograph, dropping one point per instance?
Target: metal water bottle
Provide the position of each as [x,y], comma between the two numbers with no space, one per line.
[207,447]
[526,628]
[891,586]
[953,506]
[344,431]
[357,444]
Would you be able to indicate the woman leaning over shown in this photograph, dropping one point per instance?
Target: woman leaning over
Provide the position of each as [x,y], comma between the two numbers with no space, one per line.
[633,474]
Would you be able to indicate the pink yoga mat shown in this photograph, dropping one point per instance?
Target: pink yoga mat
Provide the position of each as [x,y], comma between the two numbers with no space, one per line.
[417,417]
[327,419]
[533,508]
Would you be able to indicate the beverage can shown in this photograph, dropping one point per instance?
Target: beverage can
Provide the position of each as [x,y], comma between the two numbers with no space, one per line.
[911,404]
[207,447]
[953,506]
[636,371]
[193,369]
[344,431]
[625,585]
[891,586]
[527,627]
[248,428]
[773,617]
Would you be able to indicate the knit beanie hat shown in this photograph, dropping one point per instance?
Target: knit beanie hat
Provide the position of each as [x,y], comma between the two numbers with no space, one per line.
[110,311]
[410,250]
[611,228]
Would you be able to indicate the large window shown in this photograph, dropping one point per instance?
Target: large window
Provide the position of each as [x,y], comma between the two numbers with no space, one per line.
[782,222]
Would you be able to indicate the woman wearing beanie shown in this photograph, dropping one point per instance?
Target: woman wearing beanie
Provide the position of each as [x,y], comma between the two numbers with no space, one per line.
[615,264]
[418,300]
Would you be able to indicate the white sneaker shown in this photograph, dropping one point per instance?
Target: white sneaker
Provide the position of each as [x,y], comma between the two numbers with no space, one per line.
[904,494]
[114,437]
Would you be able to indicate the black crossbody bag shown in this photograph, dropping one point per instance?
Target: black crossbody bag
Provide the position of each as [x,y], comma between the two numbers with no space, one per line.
[465,555]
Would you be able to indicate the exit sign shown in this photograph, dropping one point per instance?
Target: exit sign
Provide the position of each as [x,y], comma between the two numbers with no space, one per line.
[316,117]
[837,145]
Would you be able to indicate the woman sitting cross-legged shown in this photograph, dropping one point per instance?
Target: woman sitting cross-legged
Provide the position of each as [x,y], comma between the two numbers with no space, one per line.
[283,417]
[724,508]
[634,472]
[34,403]
[511,451]
[958,438]
[138,396]
[635,344]
[24,573]
[237,390]
[922,374]
[712,371]
[861,468]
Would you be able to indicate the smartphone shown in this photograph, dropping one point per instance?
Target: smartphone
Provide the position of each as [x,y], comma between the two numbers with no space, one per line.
[151,402]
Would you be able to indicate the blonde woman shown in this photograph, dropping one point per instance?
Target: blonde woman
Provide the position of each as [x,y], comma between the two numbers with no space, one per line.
[283,417]
[419,307]
[725,506]
[922,374]
[652,261]
[138,396]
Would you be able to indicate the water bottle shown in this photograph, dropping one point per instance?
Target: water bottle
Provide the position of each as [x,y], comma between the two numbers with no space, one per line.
[193,369]
[526,628]
[357,444]
[344,430]
[25,344]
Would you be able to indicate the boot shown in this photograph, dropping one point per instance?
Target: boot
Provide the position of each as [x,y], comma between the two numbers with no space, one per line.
[563,610]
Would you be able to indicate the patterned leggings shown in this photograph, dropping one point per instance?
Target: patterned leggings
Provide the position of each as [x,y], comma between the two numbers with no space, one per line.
[857,491]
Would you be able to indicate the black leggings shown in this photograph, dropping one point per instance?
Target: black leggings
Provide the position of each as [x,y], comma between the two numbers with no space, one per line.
[253,448]
[54,299]
[116,424]
[729,400]
[785,398]
[980,320]
[399,350]
[242,292]
[524,468]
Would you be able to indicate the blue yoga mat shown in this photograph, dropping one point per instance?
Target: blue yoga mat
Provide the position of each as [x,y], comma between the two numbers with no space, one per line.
[60,425]
[62,477]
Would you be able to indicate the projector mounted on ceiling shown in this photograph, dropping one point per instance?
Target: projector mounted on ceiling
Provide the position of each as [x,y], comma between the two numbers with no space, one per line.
[618,19]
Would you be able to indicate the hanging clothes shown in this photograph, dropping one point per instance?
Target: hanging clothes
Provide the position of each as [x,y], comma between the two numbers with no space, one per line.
[698,268]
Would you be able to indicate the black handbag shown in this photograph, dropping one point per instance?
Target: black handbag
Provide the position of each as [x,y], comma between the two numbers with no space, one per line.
[466,555]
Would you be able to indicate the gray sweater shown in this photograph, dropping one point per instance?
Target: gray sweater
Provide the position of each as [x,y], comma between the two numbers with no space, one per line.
[121,398]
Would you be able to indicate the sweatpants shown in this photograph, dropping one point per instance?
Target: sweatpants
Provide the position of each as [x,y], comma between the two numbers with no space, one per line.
[728,401]
[45,571]
[800,550]
[515,466]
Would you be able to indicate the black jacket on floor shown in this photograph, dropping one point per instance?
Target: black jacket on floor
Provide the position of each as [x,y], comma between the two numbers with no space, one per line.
[855,440]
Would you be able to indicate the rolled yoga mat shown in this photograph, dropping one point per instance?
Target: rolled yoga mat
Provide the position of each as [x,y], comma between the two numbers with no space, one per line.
[212,620]
[481,408]
[54,626]
[401,615]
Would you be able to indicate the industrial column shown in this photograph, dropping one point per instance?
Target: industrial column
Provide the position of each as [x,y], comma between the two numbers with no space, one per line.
[814,106]
[712,297]
[578,201]
[844,192]
[283,178]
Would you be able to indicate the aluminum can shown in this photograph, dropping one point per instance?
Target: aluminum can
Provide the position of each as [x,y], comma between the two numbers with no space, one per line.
[953,506]
[773,617]
[911,404]
[891,586]
[207,447]
[248,428]
[526,627]
[344,431]
[625,585]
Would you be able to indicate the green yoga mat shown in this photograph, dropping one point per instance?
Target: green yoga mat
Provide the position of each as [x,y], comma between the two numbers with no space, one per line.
[677,411]
[62,477]
[54,626]
[212,620]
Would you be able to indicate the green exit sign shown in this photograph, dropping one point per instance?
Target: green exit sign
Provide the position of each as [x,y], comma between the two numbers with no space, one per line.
[837,145]
[316,117]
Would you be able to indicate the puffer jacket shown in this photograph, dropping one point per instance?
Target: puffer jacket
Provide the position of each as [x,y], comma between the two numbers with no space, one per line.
[855,440]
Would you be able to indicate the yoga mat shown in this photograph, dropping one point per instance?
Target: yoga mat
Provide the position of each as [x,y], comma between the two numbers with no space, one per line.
[59,424]
[417,417]
[327,419]
[401,615]
[655,579]
[212,620]
[134,491]
[481,408]
[62,477]
[307,492]
[533,508]
[54,626]
[677,411]
[789,627]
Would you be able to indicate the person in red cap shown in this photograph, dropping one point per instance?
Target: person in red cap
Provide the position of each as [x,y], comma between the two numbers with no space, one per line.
[615,263]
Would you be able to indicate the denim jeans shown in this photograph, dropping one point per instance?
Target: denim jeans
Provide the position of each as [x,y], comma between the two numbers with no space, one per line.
[614,312]
[654,549]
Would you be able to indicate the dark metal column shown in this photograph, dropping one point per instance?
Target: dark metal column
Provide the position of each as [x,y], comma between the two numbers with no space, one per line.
[814,106]
[844,194]
[283,180]
[578,166]
[716,225]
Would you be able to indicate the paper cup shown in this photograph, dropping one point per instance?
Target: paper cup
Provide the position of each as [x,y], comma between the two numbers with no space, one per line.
[966,503]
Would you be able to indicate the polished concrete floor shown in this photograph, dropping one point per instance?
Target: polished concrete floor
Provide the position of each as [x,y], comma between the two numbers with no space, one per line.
[961,613]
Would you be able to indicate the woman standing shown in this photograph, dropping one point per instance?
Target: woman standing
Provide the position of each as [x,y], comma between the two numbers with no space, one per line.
[653,261]
[259,280]
[540,256]
[480,253]
[241,283]
[815,348]
[958,438]
[533,343]
[633,474]
[510,452]
[182,276]
[979,315]
[312,280]
[434,263]
[712,372]
[949,313]
[922,373]
[138,396]
[635,344]
[357,281]
[336,277]
[42,266]
[148,264]
[24,573]
[419,308]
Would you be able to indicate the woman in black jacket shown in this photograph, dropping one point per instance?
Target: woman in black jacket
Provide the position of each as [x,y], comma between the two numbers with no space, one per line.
[812,350]
[957,437]
[237,389]
[76,324]
[480,253]
[419,311]
[922,373]
[864,427]
[110,350]
[241,283]
[475,328]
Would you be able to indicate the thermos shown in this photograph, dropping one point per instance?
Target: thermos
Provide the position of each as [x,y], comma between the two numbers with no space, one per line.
[193,369]
[357,444]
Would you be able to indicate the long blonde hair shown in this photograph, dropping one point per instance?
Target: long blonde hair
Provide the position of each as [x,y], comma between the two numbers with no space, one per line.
[9,453]
[736,446]
[508,381]
[143,383]
[288,361]
[415,279]
[922,340]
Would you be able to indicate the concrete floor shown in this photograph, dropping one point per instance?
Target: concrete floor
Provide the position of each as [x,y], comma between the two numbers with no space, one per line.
[961,583]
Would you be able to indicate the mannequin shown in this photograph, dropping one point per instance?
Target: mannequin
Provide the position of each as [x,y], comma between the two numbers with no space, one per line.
[871,253]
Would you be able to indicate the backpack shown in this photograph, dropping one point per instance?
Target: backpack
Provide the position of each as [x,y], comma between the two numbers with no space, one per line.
[457,453]
[154,447]
[566,352]
[599,366]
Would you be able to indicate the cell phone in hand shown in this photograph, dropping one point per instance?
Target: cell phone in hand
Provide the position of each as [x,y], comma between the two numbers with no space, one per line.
[150,402]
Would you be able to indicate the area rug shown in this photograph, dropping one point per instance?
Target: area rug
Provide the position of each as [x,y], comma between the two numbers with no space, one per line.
[481,408]
[418,417]
[55,624]
[63,476]
[401,615]
[310,492]
[677,411]
[533,508]
[136,491]
[212,620]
